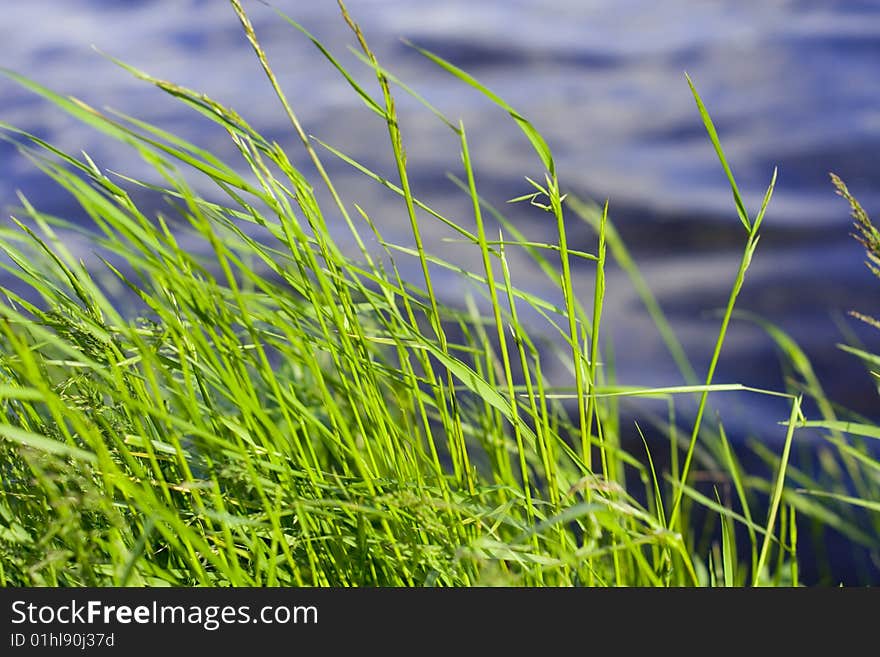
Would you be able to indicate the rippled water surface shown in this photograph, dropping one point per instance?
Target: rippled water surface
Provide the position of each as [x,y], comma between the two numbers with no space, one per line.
[793,84]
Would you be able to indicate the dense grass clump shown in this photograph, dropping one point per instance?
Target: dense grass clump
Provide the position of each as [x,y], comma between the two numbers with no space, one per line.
[261,407]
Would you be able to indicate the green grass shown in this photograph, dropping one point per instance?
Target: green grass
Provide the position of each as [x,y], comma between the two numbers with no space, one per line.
[267,408]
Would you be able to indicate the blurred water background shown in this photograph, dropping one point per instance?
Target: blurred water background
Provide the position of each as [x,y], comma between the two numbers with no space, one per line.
[789,83]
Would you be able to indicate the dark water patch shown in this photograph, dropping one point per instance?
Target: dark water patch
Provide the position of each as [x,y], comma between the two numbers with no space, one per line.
[191,39]
[683,131]
[466,53]
[53,54]
[808,168]
[124,5]
[825,47]
[855,8]
[653,234]
[786,297]
[476,56]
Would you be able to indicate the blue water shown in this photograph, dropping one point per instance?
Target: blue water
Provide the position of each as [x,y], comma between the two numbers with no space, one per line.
[792,84]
